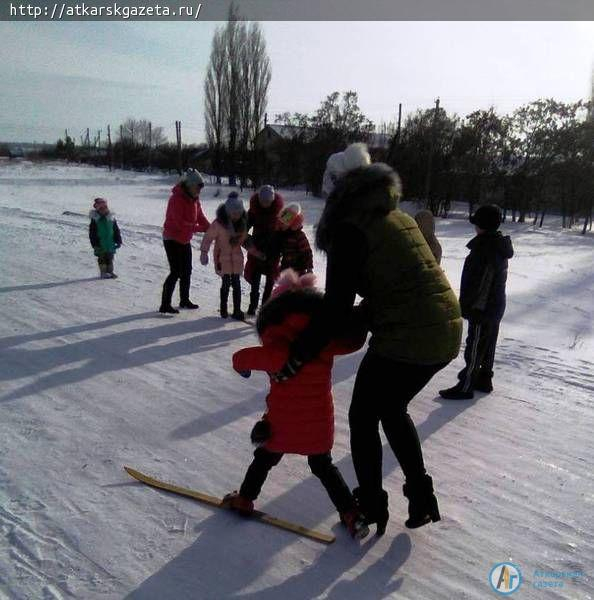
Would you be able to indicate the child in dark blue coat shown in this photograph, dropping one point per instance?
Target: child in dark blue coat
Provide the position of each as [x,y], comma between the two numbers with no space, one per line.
[482,300]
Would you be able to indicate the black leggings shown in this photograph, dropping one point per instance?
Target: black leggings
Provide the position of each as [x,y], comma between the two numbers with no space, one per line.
[180,267]
[231,281]
[321,466]
[382,392]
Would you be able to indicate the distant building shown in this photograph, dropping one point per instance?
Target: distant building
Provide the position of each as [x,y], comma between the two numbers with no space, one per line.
[270,135]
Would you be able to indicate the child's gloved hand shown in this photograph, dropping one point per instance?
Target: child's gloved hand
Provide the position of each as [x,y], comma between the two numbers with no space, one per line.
[204,258]
[261,432]
[290,369]
[97,251]
[118,246]
[245,374]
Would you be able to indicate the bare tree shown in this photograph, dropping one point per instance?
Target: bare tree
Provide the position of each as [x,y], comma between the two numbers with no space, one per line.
[216,100]
[139,132]
[236,89]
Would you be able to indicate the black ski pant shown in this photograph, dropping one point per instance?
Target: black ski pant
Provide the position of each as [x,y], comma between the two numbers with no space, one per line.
[179,257]
[231,281]
[479,353]
[255,289]
[105,263]
[382,392]
[321,466]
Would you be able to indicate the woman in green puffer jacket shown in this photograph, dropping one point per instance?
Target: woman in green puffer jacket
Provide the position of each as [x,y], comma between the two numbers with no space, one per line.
[376,251]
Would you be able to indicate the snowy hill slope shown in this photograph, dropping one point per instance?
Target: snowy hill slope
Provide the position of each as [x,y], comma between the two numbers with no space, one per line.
[92,378]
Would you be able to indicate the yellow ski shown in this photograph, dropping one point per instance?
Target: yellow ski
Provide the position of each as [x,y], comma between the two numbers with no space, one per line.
[258,515]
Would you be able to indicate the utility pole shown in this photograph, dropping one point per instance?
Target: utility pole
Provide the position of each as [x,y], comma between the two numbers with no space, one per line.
[430,158]
[178,135]
[399,122]
[109,154]
[122,144]
[150,144]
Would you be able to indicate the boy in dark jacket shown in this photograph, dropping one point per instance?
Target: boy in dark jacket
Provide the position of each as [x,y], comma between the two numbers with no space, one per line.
[105,237]
[482,300]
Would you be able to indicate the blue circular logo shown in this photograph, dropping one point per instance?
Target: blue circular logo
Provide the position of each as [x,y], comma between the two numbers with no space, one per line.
[505,578]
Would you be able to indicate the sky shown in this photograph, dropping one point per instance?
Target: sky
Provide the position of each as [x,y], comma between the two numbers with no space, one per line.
[74,75]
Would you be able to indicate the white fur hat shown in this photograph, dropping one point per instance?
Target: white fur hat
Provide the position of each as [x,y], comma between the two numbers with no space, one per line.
[353,157]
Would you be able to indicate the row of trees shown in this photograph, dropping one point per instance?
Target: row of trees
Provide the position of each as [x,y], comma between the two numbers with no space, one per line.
[536,160]
[136,144]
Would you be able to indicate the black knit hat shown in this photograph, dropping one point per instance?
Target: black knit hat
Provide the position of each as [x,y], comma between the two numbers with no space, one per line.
[487,217]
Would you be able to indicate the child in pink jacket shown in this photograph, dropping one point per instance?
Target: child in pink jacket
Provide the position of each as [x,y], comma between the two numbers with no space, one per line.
[229,233]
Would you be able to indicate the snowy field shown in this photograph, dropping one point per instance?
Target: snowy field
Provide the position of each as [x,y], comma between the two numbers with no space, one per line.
[93,378]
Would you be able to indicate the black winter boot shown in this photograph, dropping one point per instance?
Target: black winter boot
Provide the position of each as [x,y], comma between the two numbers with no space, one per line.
[422,503]
[374,508]
[457,393]
[224,299]
[188,304]
[484,382]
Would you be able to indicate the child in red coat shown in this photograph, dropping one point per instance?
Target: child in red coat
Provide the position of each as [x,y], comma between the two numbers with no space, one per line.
[300,412]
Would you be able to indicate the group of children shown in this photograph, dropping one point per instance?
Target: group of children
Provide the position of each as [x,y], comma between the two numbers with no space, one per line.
[277,242]
[279,252]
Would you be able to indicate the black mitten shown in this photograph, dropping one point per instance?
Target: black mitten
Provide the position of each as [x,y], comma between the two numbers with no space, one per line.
[261,432]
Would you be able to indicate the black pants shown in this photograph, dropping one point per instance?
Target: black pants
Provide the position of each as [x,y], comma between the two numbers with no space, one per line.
[105,263]
[321,466]
[255,290]
[479,353]
[180,267]
[382,392]
[231,281]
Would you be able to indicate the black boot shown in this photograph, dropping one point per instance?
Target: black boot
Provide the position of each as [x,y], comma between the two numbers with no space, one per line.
[224,299]
[188,304]
[374,508]
[422,503]
[237,312]
[168,310]
[457,393]
[484,382]
[166,307]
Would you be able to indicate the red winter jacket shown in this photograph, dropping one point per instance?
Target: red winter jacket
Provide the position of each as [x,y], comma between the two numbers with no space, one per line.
[263,220]
[300,410]
[184,216]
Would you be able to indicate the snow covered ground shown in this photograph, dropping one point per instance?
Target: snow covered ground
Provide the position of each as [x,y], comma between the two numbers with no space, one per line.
[92,378]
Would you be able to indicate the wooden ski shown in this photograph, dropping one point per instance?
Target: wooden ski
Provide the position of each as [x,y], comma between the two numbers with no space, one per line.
[258,515]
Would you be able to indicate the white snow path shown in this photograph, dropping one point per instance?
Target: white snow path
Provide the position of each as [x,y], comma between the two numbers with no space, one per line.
[92,378]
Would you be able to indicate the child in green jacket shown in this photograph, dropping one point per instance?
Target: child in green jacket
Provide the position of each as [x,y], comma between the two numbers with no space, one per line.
[105,237]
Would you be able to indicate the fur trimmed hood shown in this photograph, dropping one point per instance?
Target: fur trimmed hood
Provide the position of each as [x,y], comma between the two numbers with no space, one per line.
[223,218]
[95,215]
[362,194]
[305,301]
